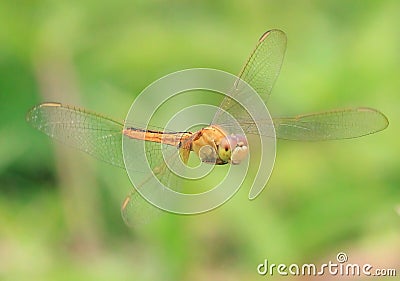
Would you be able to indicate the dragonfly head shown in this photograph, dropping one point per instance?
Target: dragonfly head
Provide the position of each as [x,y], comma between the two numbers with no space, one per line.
[233,149]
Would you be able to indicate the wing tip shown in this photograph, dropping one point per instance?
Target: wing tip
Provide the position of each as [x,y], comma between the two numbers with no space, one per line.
[384,118]
[28,116]
[267,33]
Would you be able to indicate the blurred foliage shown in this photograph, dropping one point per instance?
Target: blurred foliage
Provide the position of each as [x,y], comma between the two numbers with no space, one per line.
[59,209]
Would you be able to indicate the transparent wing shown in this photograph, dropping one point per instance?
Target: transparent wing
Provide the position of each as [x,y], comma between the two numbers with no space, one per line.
[260,71]
[329,125]
[101,137]
[264,64]
[94,134]
[135,210]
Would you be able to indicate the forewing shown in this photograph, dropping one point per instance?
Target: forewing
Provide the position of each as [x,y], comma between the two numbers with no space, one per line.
[92,133]
[260,71]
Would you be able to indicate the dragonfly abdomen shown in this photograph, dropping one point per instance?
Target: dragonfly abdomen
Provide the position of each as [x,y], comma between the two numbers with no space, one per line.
[169,138]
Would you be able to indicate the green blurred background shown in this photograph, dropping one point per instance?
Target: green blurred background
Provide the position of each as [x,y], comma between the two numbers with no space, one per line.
[59,208]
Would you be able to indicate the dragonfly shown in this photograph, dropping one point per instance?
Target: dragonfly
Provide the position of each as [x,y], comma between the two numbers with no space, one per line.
[101,136]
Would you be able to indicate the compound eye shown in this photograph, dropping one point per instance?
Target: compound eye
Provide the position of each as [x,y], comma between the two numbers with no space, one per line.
[241,140]
[238,154]
[233,149]
[240,151]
